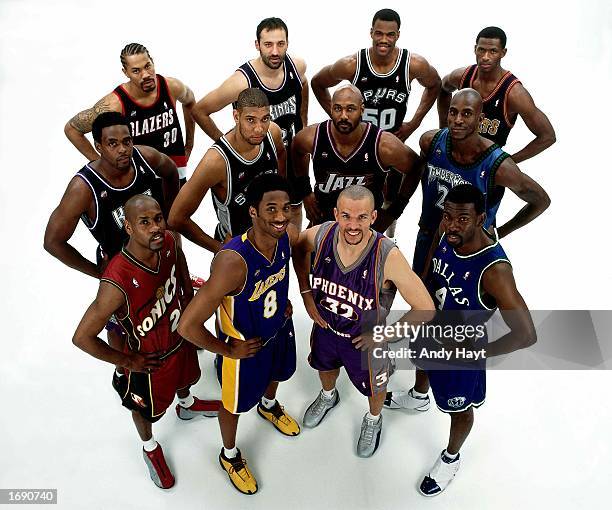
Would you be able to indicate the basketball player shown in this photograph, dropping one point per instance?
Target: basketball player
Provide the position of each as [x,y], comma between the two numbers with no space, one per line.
[345,151]
[281,77]
[253,147]
[469,275]
[248,286]
[96,195]
[383,74]
[504,97]
[355,273]
[146,286]
[459,155]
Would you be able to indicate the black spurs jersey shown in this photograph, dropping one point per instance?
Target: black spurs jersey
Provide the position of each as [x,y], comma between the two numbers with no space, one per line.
[107,225]
[157,125]
[233,213]
[385,96]
[333,172]
[285,101]
[496,123]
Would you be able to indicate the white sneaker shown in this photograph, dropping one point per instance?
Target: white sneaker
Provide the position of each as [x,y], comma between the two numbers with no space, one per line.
[440,475]
[402,399]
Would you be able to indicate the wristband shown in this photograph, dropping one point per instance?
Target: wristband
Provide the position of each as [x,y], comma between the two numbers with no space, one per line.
[305,291]
[302,187]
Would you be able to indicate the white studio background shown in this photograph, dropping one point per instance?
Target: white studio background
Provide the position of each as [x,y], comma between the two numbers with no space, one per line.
[542,437]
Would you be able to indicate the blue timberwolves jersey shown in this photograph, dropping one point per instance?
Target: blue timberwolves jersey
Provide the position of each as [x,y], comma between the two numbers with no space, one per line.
[443,173]
[455,281]
[258,310]
[350,299]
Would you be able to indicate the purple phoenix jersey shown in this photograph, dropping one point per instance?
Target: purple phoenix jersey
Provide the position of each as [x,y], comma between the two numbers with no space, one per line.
[350,299]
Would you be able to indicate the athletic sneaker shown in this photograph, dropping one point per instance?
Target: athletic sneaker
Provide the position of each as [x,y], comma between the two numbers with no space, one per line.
[402,399]
[369,438]
[208,408]
[196,282]
[279,418]
[238,472]
[440,475]
[158,469]
[319,408]
[119,382]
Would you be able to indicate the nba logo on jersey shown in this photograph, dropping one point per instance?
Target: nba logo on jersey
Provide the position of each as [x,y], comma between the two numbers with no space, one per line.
[133,114]
[466,275]
[397,79]
[165,105]
[365,158]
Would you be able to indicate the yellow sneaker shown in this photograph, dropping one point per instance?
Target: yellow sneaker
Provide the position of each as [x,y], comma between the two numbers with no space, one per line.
[280,419]
[238,472]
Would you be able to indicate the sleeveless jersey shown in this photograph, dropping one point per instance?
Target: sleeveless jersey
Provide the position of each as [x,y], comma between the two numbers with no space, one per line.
[350,299]
[333,172]
[157,125]
[152,298]
[496,123]
[285,101]
[107,226]
[385,95]
[455,281]
[233,213]
[258,310]
[443,174]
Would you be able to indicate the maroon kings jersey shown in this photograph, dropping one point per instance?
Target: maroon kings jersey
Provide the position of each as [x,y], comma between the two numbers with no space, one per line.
[152,299]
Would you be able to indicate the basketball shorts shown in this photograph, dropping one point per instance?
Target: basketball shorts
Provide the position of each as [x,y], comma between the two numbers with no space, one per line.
[151,394]
[244,381]
[458,390]
[369,371]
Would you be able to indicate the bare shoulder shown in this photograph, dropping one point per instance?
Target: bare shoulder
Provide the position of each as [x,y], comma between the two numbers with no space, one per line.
[426,139]
[305,138]
[300,65]
[345,67]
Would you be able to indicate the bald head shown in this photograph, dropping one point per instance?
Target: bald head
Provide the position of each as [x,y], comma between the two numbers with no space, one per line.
[348,93]
[468,97]
[137,205]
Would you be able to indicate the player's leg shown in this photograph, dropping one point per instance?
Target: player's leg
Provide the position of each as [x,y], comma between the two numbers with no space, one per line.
[461,425]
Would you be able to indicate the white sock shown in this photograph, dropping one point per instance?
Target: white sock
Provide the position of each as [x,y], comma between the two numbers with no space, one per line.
[373,417]
[231,453]
[267,403]
[450,456]
[187,401]
[149,445]
[417,394]
[329,394]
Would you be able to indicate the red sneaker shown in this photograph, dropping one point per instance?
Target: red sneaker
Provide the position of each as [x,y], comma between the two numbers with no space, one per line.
[196,282]
[158,469]
[208,408]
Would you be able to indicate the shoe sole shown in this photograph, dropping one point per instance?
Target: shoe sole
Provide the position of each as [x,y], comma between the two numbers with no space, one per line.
[235,486]
[153,473]
[276,427]
[205,414]
[324,414]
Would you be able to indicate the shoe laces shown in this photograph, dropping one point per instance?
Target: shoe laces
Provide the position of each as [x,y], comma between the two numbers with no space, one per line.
[321,404]
[368,430]
[278,414]
[238,466]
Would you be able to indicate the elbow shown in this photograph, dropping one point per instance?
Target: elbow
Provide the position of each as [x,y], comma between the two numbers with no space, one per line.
[78,341]
[530,338]
[184,328]
[551,138]
[50,246]
[175,221]
[545,201]
[68,129]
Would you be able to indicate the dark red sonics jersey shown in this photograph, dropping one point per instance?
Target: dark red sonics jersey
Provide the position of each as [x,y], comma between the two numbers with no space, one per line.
[156,125]
[152,297]
[496,123]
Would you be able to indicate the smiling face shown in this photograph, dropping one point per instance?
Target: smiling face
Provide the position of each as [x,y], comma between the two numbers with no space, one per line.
[140,71]
[354,217]
[384,36]
[272,213]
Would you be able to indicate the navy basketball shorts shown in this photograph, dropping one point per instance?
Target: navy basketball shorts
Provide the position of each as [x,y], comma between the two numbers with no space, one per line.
[244,381]
[421,250]
[369,371]
[458,390]
[152,394]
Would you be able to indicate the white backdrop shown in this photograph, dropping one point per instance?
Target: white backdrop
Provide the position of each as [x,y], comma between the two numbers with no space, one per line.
[542,437]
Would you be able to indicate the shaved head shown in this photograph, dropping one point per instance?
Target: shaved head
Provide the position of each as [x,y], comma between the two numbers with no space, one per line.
[469,97]
[357,192]
[137,204]
[348,92]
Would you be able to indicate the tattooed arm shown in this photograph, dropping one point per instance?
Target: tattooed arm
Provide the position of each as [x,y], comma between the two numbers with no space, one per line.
[80,124]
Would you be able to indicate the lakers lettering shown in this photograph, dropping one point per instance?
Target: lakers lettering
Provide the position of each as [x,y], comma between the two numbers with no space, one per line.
[262,286]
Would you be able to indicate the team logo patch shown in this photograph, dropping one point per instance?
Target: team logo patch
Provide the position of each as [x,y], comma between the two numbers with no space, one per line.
[138,400]
[456,402]
[159,293]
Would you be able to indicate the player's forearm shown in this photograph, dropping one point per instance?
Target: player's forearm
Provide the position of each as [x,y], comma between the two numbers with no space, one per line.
[192,231]
[512,341]
[170,189]
[444,101]
[81,143]
[301,265]
[533,148]
[427,100]
[197,334]
[526,215]
[322,94]
[99,349]
[206,123]
[189,126]
[67,254]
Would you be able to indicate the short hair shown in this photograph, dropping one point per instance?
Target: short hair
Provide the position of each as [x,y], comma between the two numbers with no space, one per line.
[263,184]
[107,119]
[271,24]
[356,192]
[387,15]
[252,98]
[132,49]
[493,33]
[467,194]
[135,202]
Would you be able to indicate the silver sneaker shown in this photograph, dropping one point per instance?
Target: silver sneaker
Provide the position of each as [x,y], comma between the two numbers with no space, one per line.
[319,408]
[369,437]
[401,399]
